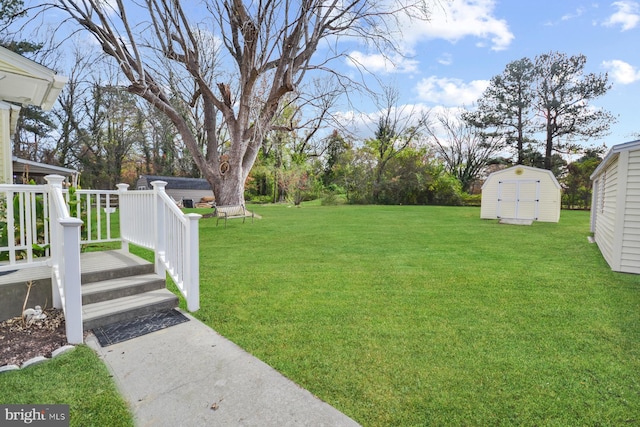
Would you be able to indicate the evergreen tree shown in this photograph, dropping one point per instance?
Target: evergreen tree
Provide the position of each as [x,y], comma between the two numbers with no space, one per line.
[550,96]
[562,95]
[505,107]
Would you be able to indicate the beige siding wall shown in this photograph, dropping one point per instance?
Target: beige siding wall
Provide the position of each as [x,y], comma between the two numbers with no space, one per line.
[4,140]
[630,254]
[606,216]
[5,144]
[8,120]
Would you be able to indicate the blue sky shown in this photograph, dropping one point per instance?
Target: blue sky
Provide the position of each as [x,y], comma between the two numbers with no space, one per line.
[451,59]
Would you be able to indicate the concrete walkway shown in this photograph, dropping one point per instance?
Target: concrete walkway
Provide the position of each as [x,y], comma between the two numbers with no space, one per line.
[188,375]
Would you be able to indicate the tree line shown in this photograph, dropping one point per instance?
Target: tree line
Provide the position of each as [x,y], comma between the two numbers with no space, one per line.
[250,138]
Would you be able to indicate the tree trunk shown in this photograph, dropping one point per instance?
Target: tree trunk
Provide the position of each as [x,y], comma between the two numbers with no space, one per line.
[548,152]
[228,185]
[231,193]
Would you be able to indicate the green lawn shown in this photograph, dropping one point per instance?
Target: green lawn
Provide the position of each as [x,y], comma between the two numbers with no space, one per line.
[405,316]
[78,379]
[429,315]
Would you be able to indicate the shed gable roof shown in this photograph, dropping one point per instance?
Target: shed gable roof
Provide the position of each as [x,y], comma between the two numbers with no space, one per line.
[496,175]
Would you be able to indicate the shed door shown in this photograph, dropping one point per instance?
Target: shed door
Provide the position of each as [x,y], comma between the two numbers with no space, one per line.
[518,199]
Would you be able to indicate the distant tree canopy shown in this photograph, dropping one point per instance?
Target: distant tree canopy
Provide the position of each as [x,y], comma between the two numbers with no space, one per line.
[224,93]
[10,10]
[577,187]
[548,96]
[199,120]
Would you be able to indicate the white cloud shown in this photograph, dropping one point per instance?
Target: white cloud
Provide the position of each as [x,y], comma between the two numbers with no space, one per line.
[445,59]
[379,63]
[621,72]
[458,19]
[450,92]
[578,12]
[627,16]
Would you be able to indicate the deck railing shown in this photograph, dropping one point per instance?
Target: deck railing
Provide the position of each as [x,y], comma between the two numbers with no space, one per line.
[97,209]
[45,225]
[24,226]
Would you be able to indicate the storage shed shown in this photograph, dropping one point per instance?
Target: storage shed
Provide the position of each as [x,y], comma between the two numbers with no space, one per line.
[521,193]
[193,189]
[615,207]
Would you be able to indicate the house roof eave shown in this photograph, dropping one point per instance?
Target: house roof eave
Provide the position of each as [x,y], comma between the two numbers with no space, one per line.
[28,83]
[613,153]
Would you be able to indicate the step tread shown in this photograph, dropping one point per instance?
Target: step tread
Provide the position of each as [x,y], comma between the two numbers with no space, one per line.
[106,260]
[119,283]
[124,304]
[100,266]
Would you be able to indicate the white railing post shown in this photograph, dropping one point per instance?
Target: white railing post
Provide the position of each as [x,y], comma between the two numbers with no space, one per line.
[161,229]
[192,261]
[55,181]
[122,207]
[73,293]
[65,256]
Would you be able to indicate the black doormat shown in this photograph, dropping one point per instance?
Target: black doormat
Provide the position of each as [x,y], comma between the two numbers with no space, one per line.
[128,329]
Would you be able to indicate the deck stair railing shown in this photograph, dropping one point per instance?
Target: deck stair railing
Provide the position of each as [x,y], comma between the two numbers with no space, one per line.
[151,219]
[65,260]
[45,225]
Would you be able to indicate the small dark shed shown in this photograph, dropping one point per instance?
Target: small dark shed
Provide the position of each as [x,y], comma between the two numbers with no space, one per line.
[179,188]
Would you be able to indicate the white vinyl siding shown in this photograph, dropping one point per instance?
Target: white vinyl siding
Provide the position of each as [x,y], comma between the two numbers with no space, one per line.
[630,255]
[615,212]
[606,217]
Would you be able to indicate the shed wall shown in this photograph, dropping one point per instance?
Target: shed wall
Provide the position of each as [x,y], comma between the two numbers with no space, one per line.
[488,203]
[550,200]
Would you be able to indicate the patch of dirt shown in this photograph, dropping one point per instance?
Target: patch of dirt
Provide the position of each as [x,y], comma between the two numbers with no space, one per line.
[19,343]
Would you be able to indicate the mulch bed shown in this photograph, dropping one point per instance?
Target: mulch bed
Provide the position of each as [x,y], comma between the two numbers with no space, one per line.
[19,343]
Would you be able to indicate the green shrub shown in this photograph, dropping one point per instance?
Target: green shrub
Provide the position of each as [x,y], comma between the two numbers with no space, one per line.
[471,199]
[332,199]
[260,199]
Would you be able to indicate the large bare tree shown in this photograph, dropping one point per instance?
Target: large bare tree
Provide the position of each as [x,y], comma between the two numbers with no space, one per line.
[399,127]
[464,151]
[232,62]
